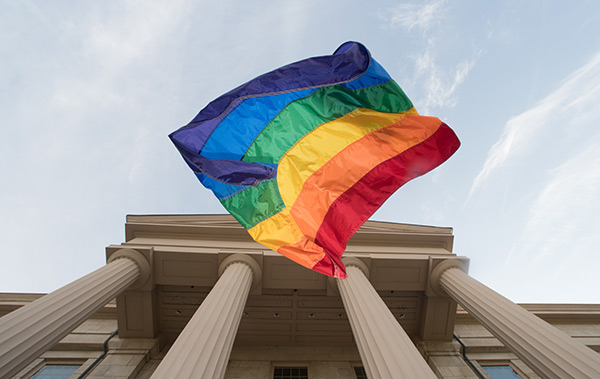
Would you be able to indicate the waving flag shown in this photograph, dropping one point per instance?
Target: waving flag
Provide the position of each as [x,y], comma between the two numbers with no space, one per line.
[303,155]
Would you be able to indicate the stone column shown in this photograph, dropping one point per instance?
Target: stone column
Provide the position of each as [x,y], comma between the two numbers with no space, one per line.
[203,348]
[385,348]
[29,331]
[545,349]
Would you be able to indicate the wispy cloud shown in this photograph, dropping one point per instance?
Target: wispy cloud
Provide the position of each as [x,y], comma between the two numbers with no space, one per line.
[415,15]
[566,200]
[436,84]
[113,47]
[440,85]
[577,93]
[562,220]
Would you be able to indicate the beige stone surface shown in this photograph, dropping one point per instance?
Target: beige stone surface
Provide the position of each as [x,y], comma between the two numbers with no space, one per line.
[545,349]
[96,326]
[294,318]
[151,364]
[119,365]
[385,348]
[446,361]
[127,359]
[322,361]
[29,331]
[203,348]
[33,366]
[248,369]
[334,370]
[297,353]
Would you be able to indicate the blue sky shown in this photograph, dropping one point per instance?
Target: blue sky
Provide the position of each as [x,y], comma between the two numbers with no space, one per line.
[90,91]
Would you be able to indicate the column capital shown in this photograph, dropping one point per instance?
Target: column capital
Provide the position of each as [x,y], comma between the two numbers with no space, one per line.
[248,261]
[332,287]
[357,262]
[140,260]
[440,268]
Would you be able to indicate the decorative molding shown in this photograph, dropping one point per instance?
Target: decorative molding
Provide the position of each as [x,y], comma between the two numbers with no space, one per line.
[248,261]
[139,259]
[357,262]
[438,269]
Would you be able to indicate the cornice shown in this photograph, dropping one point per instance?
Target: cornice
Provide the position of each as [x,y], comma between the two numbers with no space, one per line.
[552,313]
[12,301]
[375,233]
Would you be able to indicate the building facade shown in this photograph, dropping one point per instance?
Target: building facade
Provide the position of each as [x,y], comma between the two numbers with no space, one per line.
[197,298]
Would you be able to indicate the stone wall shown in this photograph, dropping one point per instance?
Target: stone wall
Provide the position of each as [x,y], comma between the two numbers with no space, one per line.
[138,358]
[323,362]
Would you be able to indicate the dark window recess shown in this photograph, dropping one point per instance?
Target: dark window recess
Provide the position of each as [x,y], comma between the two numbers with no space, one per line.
[360,372]
[290,373]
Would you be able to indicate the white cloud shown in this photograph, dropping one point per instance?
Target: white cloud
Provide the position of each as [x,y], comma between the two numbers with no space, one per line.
[415,15]
[578,93]
[440,85]
[434,84]
[574,186]
[113,48]
[135,32]
[563,219]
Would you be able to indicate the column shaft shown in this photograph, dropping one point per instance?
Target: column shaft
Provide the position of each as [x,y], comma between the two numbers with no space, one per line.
[203,348]
[29,331]
[548,351]
[384,347]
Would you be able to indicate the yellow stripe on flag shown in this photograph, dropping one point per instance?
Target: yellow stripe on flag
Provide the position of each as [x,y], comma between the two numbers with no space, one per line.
[316,148]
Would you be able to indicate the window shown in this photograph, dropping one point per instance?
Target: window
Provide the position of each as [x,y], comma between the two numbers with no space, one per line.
[360,372]
[56,372]
[501,372]
[290,373]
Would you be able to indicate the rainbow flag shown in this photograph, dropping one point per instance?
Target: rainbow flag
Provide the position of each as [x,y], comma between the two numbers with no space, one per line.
[303,155]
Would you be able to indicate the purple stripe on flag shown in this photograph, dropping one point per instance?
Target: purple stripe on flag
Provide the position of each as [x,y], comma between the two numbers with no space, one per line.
[348,62]
[227,171]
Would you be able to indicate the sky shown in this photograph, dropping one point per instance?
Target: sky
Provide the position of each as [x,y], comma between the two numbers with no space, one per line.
[90,90]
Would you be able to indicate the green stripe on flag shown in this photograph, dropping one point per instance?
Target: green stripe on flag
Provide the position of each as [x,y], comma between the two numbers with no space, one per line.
[255,204]
[327,104]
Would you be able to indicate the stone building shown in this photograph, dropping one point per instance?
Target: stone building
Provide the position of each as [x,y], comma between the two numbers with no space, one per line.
[197,298]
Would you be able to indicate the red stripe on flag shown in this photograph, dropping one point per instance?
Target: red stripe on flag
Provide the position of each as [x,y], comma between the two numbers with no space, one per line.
[351,209]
